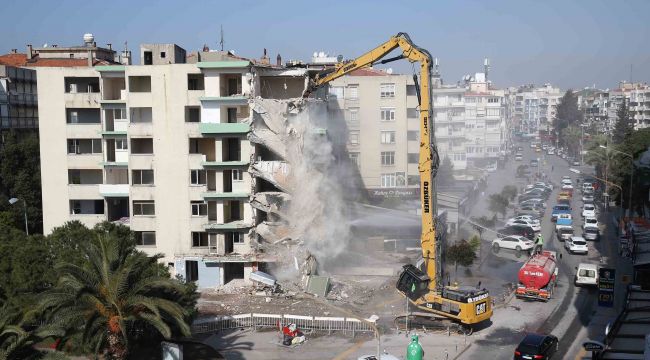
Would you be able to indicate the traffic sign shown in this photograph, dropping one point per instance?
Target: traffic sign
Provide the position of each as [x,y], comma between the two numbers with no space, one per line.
[606,285]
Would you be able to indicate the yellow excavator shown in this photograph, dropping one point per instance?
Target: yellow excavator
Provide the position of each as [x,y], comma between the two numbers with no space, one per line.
[465,306]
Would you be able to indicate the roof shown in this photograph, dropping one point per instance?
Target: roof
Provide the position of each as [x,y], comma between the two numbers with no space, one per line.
[21,60]
[370,72]
[533,339]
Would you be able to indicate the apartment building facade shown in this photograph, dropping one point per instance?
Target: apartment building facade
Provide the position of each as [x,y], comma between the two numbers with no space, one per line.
[162,149]
[471,127]
[18,99]
[381,113]
[533,108]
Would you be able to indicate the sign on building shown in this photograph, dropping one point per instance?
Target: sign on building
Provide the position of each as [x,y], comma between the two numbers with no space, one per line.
[606,282]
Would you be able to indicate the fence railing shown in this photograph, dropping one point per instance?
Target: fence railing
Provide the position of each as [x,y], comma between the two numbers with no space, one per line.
[259,321]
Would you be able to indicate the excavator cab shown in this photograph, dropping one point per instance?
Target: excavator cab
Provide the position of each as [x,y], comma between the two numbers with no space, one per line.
[412,282]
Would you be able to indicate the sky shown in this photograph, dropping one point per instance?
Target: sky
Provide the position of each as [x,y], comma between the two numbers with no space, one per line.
[570,44]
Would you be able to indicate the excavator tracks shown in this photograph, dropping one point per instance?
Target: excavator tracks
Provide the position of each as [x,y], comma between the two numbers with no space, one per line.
[428,322]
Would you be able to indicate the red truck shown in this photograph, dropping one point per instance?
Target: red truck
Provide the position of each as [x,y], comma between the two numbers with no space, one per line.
[537,277]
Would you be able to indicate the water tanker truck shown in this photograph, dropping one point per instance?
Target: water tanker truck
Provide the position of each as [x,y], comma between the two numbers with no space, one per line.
[538,276]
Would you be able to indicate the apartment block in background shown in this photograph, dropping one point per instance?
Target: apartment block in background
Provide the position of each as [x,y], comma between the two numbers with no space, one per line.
[162,149]
[18,99]
[381,112]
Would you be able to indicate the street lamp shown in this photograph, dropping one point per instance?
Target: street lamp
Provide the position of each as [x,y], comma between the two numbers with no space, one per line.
[15,200]
[631,174]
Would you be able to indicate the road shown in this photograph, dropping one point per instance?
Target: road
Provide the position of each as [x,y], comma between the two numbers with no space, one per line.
[570,310]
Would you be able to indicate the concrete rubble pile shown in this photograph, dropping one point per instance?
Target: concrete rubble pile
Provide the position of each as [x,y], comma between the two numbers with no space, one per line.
[305,213]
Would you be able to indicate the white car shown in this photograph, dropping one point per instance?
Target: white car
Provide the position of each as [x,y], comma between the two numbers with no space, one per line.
[519,157]
[567,187]
[514,242]
[589,210]
[534,225]
[587,198]
[590,222]
[527,217]
[586,274]
[576,244]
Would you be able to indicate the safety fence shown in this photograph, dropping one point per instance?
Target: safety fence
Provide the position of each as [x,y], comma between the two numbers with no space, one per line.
[260,321]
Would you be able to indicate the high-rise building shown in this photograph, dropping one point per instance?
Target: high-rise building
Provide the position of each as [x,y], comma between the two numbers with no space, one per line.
[18,103]
[533,108]
[164,150]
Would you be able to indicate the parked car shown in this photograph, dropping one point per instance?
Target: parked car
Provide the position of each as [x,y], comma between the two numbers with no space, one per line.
[563,233]
[567,187]
[513,242]
[519,157]
[588,210]
[586,274]
[590,222]
[534,163]
[550,151]
[537,346]
[525,231]
[587,198]
[576,244]
[533,218]
[535,226]
[532,210]
[576,162]
[535,201]
[591,233]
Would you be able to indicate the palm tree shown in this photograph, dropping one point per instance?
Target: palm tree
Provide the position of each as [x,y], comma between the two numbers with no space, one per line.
[113,296]
[15,341]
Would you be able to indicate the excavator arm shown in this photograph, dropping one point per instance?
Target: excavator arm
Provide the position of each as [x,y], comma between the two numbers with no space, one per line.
[428,159]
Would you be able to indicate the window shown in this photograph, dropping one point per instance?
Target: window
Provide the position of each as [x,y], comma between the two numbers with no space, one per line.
[353,92]
[413,179]
[336,92]
[400,178]
[387,137]
[74,117]
[145,238]
[413,158]
[388,180]
[354,138]
[493,112]
[459,157]
[191,267]
[198,177]
[163,54]
[387,90]
[237,238]
[411,90]
[353,116]
[118,114]
[413,135]
[237,175]
[199,208]
[387,114]
[412,113]
[199,239]
[142,146]
[84,146]
[354,158]
[493,100]
[195,82]
[387,158]
[144,208]
[470,100]
[121,144]
[142,177]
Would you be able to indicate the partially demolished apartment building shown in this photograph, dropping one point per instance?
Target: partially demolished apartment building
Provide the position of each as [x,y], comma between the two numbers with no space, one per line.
[167,149]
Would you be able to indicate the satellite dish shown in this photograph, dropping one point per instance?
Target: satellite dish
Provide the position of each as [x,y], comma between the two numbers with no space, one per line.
[315,54]
[339,58]
[45,45]
[389,70]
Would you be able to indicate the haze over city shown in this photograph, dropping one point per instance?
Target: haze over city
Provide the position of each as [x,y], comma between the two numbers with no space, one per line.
[571,44]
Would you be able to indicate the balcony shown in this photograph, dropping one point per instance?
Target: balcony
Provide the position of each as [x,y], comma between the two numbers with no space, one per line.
[114,190]
[119,128]
[229,100]
[81,100]
[224,128]
[213,195]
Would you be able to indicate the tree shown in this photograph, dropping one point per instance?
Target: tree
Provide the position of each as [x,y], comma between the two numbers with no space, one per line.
[498,204]
[20,177]
[16,342]
[566,114]
[112,296]
[509,192]
[445,174]
[461,253]
[624,126]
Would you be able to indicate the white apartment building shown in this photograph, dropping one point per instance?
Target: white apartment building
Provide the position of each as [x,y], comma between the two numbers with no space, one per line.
[533,108]
[470,124]
[638,98]
[162,149]
[380,109]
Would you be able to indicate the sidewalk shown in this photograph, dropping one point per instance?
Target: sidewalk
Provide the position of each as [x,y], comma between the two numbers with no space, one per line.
[604,316]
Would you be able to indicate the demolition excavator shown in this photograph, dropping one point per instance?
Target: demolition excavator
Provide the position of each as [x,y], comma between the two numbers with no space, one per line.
[425,289]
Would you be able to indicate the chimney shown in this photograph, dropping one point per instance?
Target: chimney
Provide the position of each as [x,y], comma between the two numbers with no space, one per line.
[14,51]
[278,60]
[90,58]
[265,59]
[110,46]
[30,52]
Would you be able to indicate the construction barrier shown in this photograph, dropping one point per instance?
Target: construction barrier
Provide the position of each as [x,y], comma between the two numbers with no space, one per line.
[258,321]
